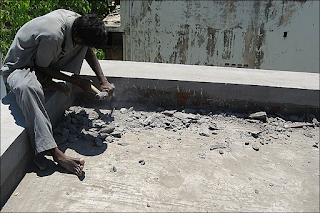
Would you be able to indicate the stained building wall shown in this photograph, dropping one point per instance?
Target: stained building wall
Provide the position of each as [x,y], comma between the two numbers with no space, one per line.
[278,35]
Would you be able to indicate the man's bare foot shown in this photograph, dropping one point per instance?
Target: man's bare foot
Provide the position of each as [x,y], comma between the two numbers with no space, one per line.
[74,165]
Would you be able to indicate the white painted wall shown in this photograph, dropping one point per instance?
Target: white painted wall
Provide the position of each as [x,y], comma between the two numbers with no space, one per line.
[245,33]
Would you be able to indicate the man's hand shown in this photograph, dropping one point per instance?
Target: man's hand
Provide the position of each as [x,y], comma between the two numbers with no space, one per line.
[109,87]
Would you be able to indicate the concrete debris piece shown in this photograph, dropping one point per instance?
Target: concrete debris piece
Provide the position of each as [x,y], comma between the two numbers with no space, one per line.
[308,134]
[108,129]
[316,122]
[93,115]
[123,110]
[150,119]
[213,126]
[274,136]
[256,147]
[142,162]
[316,144]
[103,135]
[98,123]
[116,134]
[113,169]
[228,142]
[123,143]
[298,125]
[169,112]
[204,130]
[109,139]
[218,145]
[255,134]
[202,155]
[259,116]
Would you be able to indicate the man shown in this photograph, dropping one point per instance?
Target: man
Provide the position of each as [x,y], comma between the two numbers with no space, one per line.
[59,40]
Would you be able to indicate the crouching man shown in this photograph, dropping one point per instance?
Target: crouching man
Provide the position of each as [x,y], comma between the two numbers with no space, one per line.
[59,40]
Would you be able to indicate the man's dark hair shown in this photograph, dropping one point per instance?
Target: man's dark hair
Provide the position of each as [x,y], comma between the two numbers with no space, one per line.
[91,30]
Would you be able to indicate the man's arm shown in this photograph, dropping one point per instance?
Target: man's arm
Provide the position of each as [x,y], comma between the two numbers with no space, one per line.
[56,74]
[93,62]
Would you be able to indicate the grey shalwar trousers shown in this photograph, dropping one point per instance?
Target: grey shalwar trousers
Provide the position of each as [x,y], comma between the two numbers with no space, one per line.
[30,97]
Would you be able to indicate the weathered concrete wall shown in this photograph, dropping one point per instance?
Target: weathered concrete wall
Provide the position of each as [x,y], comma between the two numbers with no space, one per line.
[266,34]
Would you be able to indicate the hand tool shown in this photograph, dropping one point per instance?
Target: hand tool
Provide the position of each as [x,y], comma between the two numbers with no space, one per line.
[100,95]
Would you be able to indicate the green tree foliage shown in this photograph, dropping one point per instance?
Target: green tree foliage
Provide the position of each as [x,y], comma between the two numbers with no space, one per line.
[15,13]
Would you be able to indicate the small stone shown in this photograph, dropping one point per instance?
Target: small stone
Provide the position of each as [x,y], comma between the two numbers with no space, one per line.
[150,119]
[202,155]
[123,110]
[142,162]
[256,147]
[246,143]
[270,184]
[255,134]
[218,145]
[108,129]
[150,146]
[109,139]
[116,134]
[67,193]
[316,122]
[308,134]
[204,130]
[274,136]
[93,115]
[256,191]
[213,126]
[221,152]
[113,169]
[123,143]
[258,116]
[148,205]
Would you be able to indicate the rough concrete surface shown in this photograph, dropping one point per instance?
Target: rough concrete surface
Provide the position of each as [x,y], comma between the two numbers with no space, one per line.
[145,158]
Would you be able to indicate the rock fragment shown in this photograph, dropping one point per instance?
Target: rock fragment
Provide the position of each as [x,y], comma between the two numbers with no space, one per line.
[218,145]
[255,147]
[316,122]
[123,143]
[108,129]
[259,116]
[202,155]
[142,162]
[113,169]
[204,130]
